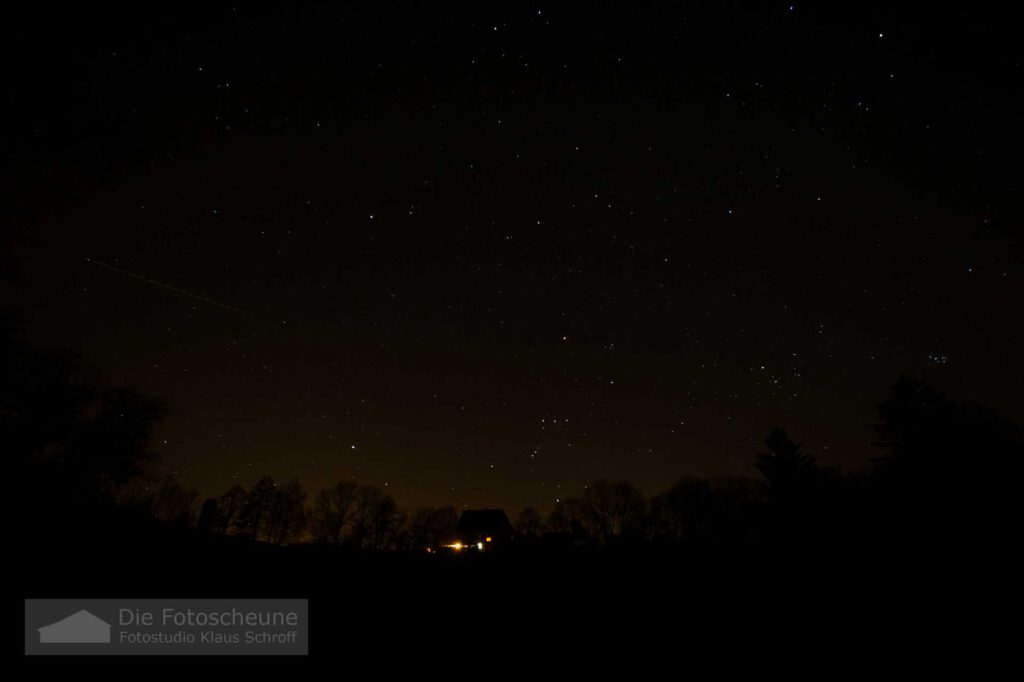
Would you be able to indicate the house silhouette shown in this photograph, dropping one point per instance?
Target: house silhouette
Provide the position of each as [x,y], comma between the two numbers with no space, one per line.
[488,527]
[78,628]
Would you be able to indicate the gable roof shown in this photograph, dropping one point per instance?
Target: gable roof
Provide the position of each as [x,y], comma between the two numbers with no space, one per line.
[79,627]
[484,521]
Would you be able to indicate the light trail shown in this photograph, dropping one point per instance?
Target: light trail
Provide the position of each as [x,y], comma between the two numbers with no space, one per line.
[176,290]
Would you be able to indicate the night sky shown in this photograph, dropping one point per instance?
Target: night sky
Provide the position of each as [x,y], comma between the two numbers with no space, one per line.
[483,256]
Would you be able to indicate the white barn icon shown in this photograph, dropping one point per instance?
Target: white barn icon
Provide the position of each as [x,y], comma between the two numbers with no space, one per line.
[78,628]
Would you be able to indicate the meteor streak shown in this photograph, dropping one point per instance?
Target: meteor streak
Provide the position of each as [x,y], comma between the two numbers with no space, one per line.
[162,285]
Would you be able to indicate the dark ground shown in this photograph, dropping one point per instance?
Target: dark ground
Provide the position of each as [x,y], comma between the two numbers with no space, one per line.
[390,610]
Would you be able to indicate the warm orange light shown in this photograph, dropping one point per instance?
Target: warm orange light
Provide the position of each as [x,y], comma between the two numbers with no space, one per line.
[487,539]
[456,546]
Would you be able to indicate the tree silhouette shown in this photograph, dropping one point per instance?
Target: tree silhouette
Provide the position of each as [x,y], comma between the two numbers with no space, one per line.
[285,517]
[611,509]
[567,518]
[949,469]
[529,523]
[444,523]
[791,487]
[703,510]
[208,516]
[366,500]
[920,429]
[67,431]
[376,519]
[788,472]
[229,506]
[431,527]
[171,501]
[331,512]
[111,446]
[251,519]
[386,523]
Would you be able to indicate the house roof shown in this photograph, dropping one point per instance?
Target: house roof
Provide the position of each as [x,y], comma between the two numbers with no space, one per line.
[78,619]
[81,627]
[484,521]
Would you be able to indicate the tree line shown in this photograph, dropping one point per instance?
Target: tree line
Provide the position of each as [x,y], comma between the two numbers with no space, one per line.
[936,477]
[943,470]
[349,513]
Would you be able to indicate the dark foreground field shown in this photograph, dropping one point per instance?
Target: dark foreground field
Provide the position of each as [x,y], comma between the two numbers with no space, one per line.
[391,609]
